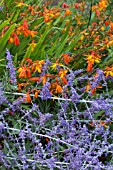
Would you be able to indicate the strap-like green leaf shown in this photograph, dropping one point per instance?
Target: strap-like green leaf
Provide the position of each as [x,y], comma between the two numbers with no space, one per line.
[72,44]
[15,15]
[47,30]
[4,24]
[60,49]
[28,52]
[6,36]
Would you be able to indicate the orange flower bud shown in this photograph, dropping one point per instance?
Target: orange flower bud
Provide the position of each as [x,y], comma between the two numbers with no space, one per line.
[76,5]
[28,97]
[10,40]
[111,26]
[106,23]
[68,12]
[16,40]
[89,67]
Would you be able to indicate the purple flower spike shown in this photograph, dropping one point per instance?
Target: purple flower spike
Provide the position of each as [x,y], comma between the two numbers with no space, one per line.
[45,93]
[3,99]
[11,68]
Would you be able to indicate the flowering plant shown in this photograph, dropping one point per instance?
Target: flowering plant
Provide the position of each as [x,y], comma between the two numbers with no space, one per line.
[56,98]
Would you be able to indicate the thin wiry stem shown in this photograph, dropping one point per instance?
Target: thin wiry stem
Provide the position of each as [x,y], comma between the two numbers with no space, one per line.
[54,98]
[46,136]
[39,162]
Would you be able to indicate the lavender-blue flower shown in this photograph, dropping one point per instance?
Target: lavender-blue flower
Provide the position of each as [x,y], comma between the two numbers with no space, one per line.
[11,68]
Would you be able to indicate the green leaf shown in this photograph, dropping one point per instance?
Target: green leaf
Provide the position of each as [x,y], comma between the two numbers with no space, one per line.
[50,52]
[62,43]
[21,49]
[2,65]
[72,44]
[9,2]
[43,54]
[59,19]
[2,60]
[6,22]
[60,49]
[15,15]
[37,22]
[98,114]
[6,36]
[25,106]
[39,44]
[28,52]
[1,2]
[92,16]
[65,34]
[15,58]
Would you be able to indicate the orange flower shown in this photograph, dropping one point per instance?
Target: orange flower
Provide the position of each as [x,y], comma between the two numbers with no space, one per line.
[56,15]
[102,123]
[111,26]
[38,65]
[16,40]
[30,8]
[47,139]
[62,73]
[89,67]
[109,71]
[33,44]
[28,97]
[24,72]
[36,93]
[32,33]
[55,65]
[102,5]
[44,79]
[29,61]
[55,88]
[20,85]
[58,89]
[25,24]
[93,91]
[24,29]
[10,40]
[106,23]
[26,32]
[102,28]
[76,5]
[18,31]
[64,80]
[34,79]
[46,19]
[93,58]
[21,4]
[66,58]
[88,87]
[68,12]
[78,21]
[110,43]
